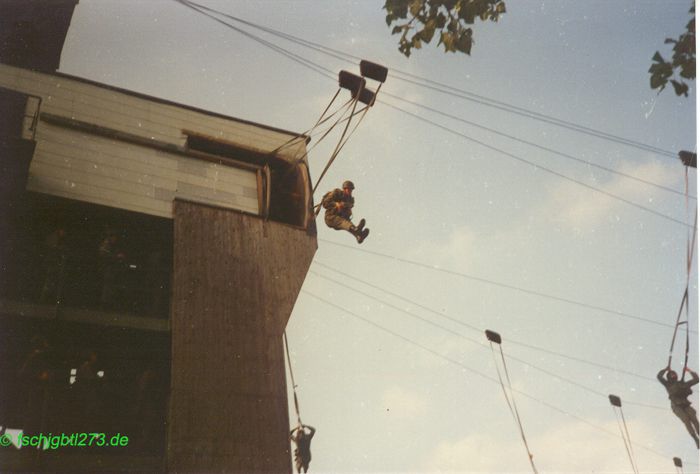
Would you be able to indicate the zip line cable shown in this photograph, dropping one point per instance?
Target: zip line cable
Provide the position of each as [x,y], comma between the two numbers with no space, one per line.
[300,60]
[535,145]
[494,337]
[545,169]
[294,57]
[474,371]
[503,285]
[291,376]
[476,329]
[449,90]
[473,341]
[327,73]
[553,121]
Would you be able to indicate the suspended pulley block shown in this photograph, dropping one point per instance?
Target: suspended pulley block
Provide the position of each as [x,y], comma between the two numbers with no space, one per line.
[688,158]
[355,84]
[677,462]
[615,400]
[374,71]
[367,97]
[493,336]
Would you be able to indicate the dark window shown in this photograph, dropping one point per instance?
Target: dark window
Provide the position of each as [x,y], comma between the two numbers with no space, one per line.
[80,255]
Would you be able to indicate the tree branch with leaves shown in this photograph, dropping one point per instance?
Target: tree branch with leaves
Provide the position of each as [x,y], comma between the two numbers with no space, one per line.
[419,20]
[682,62]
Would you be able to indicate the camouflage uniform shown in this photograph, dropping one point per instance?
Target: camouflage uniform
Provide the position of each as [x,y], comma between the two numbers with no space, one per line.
[302,452]
[335,218]
[678,393]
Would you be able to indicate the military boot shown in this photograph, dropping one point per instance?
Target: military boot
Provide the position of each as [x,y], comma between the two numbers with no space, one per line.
[363,235]
[357,233]
[360,235]
[361,225]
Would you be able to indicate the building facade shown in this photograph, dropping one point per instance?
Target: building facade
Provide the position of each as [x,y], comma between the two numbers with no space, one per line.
[150,256]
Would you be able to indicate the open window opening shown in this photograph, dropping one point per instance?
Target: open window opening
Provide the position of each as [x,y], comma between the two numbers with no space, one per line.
[285,190]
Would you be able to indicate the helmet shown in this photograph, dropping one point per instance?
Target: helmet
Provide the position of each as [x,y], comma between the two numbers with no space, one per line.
[348,184]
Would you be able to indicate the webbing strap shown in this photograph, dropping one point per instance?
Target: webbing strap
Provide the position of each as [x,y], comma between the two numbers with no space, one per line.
[684,302]
[511,403]
[318,122]
[291,376]
[337,148]
[690,250]
[629,442]
[626,440]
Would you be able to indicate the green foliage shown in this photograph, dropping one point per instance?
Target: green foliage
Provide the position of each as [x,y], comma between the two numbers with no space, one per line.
[682,62]
[418,21]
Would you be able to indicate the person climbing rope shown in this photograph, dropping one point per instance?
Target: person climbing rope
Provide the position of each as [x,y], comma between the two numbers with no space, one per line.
[338,205]
[678,393]
[302,453]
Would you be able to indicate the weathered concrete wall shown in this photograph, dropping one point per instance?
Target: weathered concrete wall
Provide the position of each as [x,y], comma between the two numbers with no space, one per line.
[236,279]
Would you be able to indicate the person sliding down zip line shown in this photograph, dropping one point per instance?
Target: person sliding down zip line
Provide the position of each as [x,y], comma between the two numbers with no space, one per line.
[302,439]
[338,205]
[678,393]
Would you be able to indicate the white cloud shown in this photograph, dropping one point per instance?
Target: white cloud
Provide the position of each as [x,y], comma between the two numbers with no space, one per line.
[582,208]
[571,447]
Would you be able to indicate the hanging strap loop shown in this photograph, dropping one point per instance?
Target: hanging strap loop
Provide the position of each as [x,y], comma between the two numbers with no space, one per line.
[291,376]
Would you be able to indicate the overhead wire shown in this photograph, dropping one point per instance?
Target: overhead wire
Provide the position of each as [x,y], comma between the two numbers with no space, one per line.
[479,330]
[297,58]
[328,73]
[319,69]
[474,371]
[502,285]
[450,90]
[481,344]
[535,145]
[537,166]
[290,55]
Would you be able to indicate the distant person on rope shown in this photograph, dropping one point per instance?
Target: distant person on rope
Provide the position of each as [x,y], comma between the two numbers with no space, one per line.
[302,453]
[338,205]
[678,393]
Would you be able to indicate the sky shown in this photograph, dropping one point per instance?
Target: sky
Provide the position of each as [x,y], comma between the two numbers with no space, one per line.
[470,230]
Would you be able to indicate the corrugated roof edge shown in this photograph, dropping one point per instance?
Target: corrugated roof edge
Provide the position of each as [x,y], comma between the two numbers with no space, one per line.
[177,104]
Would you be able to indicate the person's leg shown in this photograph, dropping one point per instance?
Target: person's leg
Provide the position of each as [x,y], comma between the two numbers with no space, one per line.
[682,412]
[693,417]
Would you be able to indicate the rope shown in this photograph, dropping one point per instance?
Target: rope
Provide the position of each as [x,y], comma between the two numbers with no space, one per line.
[291,376]
[684,300]
[318,122]
[690,250]
[517,415]
[627,441]
[500,379]
[325,134]
[337,148]
[513,408]
[300,159]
